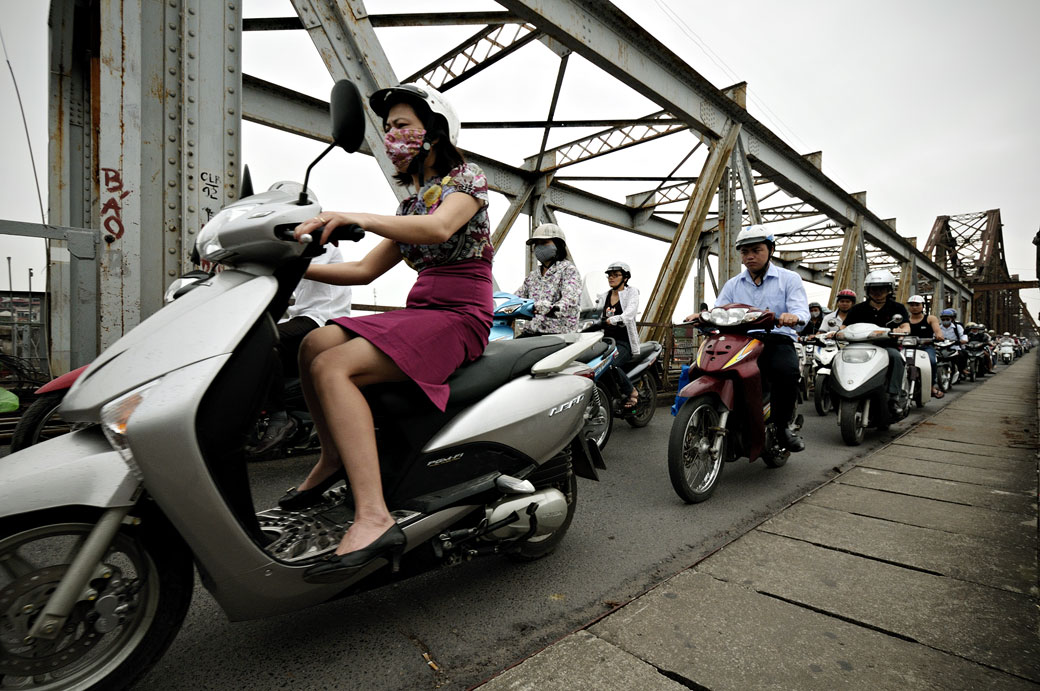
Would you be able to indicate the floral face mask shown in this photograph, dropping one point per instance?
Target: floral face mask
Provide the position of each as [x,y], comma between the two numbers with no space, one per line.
[402,145]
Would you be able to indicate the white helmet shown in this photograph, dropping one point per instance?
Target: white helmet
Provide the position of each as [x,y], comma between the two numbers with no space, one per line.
[881,277]
[427,96]
[1007,334]
[625,269]
[547,231]
[753,235]
[916,299]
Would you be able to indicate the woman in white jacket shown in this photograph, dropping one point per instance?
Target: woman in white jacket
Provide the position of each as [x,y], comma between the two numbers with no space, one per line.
[619,306]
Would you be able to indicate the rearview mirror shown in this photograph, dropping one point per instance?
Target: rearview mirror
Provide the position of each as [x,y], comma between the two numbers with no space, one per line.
[348,116]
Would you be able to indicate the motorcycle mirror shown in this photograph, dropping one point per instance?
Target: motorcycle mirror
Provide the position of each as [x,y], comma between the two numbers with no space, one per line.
[348,125]
[348,116]
[896,320]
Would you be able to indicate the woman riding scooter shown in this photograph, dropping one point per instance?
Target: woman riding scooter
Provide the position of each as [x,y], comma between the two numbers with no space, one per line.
[442,231]
[554,285]
[619,306]
[925,325]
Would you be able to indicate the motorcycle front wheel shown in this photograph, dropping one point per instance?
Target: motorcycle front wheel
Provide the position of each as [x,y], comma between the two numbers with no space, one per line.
[643,411]
[692,467]
[850,419]
[821,396]
[972,367]
[117,630]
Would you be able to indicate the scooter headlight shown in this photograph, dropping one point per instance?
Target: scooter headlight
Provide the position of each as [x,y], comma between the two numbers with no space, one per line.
[857,355]
[115,416]
[730,317]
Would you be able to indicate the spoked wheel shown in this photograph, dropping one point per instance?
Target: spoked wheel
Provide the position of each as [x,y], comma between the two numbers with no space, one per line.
[850,419]
[599,417]
[40,421]
[122,624]
[693,465]
[646,406]
[822,396]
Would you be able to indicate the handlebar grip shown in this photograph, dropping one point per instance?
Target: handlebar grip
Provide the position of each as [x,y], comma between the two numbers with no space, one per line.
[351,232]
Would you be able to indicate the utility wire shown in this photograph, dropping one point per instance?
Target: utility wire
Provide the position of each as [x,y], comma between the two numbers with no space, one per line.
[25,124]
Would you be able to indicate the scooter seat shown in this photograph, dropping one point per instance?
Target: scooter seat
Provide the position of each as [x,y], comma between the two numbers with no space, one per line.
[597,349]
[501,362]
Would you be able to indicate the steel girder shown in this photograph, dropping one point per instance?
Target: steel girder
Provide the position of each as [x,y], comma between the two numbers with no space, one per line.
[145,116]
[605,36]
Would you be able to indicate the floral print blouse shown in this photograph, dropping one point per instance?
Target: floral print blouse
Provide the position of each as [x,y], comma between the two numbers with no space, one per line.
[556,296]
[471,241]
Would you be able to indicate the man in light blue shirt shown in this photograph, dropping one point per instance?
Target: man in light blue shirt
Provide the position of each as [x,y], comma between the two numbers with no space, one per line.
[769,287]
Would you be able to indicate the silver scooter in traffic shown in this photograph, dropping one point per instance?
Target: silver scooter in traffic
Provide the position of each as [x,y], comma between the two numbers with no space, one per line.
[859,380]
[101,528]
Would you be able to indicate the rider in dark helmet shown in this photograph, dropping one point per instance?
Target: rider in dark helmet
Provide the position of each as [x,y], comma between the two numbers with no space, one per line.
[815,320]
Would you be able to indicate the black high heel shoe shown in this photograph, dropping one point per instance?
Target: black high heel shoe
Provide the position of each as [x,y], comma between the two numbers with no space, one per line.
[296,499]
[390,545]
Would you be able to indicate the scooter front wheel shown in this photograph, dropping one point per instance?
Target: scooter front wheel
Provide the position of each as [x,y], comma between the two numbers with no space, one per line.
[121,625]
[696,450]
[850,419]
[822,396]
[40,421]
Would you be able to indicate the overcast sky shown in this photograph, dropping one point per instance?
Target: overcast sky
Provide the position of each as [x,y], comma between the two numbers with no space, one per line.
[928,105]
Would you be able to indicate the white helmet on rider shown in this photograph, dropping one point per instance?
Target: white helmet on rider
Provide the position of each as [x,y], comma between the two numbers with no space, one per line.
[915,300]
[625,269]
[422,95]
[753,235]
[881,277]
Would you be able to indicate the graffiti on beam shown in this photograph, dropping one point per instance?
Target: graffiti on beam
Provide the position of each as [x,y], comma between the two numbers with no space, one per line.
[112,209]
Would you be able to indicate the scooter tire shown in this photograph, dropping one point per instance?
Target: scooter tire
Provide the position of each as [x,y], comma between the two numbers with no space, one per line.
[694,479]
[536,548]
[157,560]
[851,422]
[822,396]
[972,371]
[644,409]
[40,421]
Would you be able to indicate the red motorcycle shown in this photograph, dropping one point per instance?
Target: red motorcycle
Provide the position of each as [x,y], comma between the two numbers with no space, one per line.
[726,413]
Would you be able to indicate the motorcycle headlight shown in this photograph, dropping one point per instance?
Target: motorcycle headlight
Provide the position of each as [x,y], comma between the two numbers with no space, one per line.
[730,317]
[115,416]
[857,355]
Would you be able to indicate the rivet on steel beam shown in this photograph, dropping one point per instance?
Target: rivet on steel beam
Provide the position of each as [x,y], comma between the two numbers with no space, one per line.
[190,186]
[191,10]
[230,27]
[171,160]
[191,55]
[191,99]
[173,49]
[231,111]
[191,77]
[173,70]
[172,183]
[172,138]
[173,25]
[191,209]
[191,142]
[231,89]
[173,116]
[173,250]
[172,206]
[231,49]
[191,231]
[231,69]
[172,229]
[191,121]
[231,132]
[191,164]
[171,272]
[231,6]
[191,32]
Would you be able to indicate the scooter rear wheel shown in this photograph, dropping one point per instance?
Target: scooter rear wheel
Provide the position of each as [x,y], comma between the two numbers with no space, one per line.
[646,406]
[693,469]
[850,419]
[108,641]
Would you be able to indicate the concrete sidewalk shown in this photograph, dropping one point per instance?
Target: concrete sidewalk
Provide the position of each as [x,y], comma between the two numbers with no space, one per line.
[915,569]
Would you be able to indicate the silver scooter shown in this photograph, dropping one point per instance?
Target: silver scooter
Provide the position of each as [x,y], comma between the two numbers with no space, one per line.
[859,380]
[918,368]
[100,528]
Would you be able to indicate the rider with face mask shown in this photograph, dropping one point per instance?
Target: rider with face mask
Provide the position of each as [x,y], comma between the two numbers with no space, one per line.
[815,323]
[442,231]
[554,284]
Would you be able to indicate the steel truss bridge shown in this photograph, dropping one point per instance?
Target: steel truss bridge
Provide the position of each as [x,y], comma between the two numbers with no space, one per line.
[971,247]
[147,101]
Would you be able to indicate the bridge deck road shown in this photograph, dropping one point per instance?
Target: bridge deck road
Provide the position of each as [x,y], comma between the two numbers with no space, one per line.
[453,628]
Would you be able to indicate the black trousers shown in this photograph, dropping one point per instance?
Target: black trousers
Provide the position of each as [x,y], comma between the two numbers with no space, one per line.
[624,384]
[290,336]
[779,366]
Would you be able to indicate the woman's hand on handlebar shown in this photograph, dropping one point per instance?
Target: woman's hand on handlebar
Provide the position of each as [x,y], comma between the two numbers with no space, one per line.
[326,221]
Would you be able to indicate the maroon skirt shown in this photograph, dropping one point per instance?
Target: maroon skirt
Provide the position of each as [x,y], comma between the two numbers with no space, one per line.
[445,324]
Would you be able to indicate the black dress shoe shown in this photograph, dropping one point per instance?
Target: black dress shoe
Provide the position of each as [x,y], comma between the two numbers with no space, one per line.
[296,499]
[336,567]
[791,441]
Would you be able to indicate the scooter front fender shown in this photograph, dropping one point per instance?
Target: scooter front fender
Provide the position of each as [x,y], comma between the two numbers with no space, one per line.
[707,384]
[75,469]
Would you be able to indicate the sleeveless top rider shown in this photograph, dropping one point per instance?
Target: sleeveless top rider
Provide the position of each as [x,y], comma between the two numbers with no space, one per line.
[921,329]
